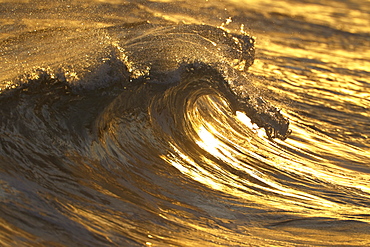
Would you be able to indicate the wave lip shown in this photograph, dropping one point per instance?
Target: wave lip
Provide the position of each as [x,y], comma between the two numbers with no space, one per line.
[170,55]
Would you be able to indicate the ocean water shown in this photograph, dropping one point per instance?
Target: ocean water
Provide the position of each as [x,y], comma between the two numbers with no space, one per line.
[184,123]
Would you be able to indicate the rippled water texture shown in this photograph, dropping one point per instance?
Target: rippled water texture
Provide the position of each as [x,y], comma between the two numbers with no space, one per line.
[146,123]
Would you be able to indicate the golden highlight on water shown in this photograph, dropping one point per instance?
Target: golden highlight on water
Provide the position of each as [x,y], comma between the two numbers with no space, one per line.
[184,123]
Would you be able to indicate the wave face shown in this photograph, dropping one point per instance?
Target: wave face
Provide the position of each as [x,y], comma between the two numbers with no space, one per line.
[153,132]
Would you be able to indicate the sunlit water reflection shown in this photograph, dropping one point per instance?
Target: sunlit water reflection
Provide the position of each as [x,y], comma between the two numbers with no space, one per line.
[202,176]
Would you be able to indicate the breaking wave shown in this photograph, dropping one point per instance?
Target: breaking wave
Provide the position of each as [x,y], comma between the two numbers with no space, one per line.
[146,133]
